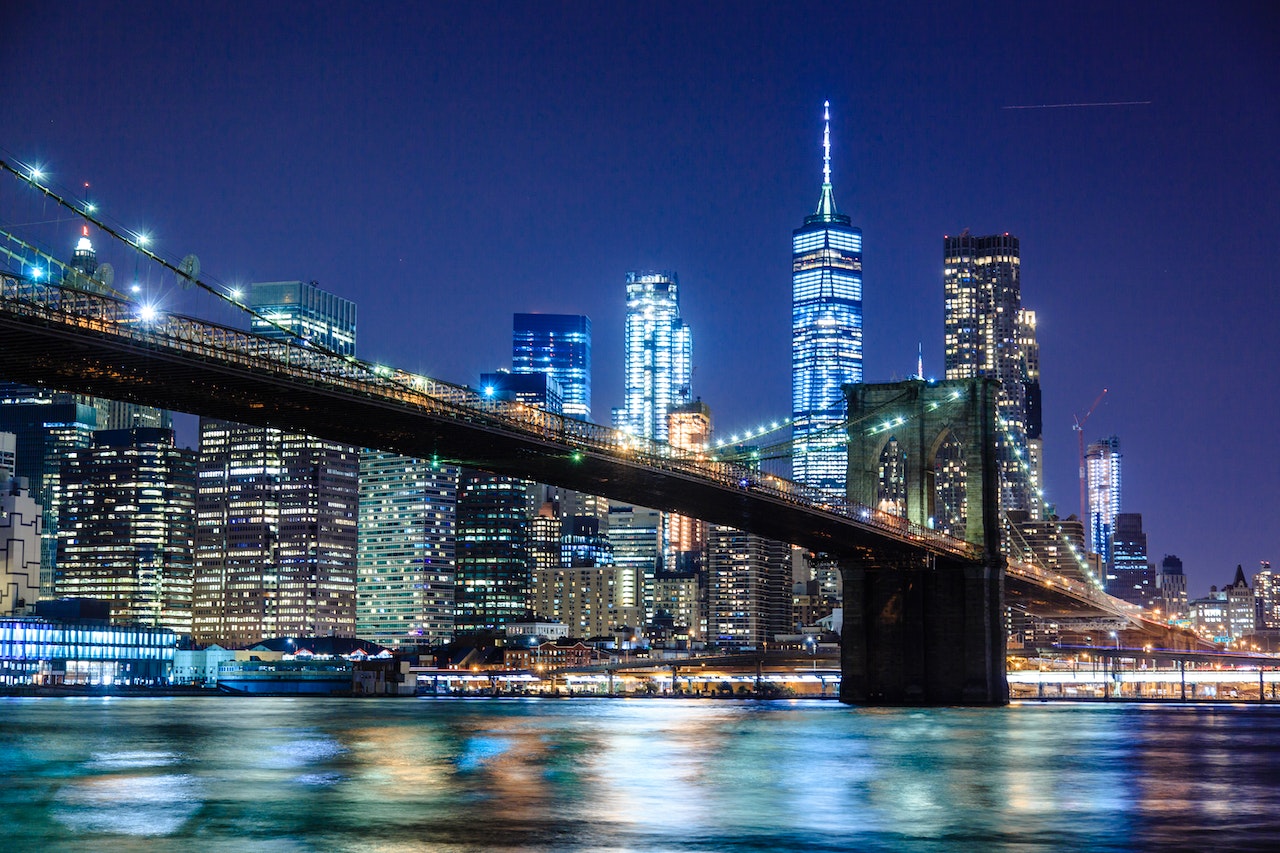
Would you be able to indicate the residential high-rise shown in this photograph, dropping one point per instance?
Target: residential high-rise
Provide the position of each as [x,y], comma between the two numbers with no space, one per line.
[685,538]
[1102,478]
[658,355]
[987,333]
[748,588]
[405,550]
[635,534]
[1030,347]
[1266,590]
[1131,577]
[560,346]
[276,536]
[826,333]
[127,527]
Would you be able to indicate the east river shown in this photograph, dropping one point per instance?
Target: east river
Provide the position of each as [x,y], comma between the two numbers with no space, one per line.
[212,774]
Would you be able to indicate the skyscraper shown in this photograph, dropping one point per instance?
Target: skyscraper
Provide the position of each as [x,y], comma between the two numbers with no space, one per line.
[658,357]
[989,334]
[494,580]
[558,345]
[277,510]
[1131,577]
[275,535]
[748,587]
[405,552]
[685,538]
[1173,588]
[636,536]
[1030,352]
[46,432]
[826,333]
[1102,477]
[127,531]
[307,311]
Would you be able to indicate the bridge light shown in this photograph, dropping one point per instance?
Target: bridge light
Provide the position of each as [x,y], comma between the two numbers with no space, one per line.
[488,390]
[37,174]
[234,293]
[577,457]
[136,288]
[90,207]
[147,313]
[37,273]
[143,239]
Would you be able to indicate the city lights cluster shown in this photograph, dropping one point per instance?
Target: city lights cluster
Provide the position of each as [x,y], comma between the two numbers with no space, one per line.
[1080,558]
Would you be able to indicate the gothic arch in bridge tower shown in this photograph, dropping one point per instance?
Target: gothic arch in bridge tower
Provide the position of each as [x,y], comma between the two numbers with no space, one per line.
[928,448]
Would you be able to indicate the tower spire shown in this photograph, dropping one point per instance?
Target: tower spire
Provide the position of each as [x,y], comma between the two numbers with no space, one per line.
[826,211]
[826,143]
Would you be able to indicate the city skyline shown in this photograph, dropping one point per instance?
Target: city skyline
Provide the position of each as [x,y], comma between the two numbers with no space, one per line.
[1103,199]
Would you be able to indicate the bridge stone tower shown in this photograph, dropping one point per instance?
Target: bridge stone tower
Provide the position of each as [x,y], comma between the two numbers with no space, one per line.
[924,628]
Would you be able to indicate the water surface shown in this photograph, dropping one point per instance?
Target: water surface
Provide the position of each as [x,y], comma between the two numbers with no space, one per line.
[298,774]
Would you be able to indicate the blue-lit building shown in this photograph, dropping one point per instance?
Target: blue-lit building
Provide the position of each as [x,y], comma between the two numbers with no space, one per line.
[533,389]
[658,355]
[1102,470]
[71,642]
[305,310]
[558,345]
[826,334]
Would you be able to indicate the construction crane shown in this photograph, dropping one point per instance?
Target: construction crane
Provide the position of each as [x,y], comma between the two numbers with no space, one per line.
[1078,426]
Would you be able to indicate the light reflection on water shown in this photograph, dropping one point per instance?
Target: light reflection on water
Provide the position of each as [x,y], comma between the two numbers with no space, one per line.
[292,774]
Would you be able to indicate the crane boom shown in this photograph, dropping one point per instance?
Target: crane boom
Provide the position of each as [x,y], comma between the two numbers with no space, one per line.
[1078,426]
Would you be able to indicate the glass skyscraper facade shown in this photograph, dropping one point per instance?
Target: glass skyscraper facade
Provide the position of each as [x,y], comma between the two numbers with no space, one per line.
[1102,478]
[826,335]
[494,580]
[307,311]
[558,345]
[658,357]
[405,557]
[987,334]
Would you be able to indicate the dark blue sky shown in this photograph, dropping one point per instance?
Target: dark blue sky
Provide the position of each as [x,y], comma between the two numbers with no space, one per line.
[447,165]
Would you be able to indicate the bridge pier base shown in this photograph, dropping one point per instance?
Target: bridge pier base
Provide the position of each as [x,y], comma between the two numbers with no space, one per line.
[923,633]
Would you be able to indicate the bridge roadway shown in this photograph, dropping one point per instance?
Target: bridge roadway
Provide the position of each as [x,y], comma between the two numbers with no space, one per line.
[97,344]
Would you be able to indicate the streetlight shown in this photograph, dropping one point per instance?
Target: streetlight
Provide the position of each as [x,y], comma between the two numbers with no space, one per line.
[812,645]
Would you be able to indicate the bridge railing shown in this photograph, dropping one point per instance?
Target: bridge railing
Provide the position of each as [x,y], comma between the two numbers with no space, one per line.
[108,315]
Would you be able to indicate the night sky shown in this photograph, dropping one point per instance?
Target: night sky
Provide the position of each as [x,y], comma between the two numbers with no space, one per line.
[447,165]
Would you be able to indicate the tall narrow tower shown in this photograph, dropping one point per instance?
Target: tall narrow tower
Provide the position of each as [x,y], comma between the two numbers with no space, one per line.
[658,362]
[826,333]
[989,334]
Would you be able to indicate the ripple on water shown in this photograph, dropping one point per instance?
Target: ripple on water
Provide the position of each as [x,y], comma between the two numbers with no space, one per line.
[128,804]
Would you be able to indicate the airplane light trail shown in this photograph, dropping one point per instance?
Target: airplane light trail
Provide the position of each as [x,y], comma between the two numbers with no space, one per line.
[1062,106]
